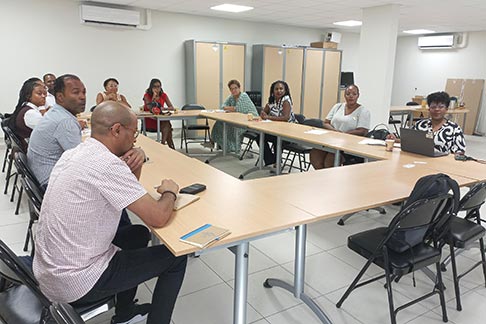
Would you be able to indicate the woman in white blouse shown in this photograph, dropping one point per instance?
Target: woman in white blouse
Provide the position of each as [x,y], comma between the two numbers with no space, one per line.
[350,117]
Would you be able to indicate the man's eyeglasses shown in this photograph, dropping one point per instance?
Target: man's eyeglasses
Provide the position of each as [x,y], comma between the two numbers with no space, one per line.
[134,130]
[440,106]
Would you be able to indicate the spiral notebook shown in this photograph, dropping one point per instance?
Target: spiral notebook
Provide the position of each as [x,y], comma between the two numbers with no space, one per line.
[205,235]
[182,199]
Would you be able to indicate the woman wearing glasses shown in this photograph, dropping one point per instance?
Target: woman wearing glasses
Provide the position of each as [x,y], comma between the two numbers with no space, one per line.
[154,100]
[448,136]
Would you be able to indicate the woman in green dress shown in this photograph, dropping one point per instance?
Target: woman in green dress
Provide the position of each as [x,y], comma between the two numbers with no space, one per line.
[237,102]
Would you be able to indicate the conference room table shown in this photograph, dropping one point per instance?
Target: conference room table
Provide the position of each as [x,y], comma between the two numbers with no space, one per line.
[254,209]
[167,116]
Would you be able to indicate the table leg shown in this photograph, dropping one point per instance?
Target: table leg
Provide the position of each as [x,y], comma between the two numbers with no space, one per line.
[337,155]
[278,153]
[299,273]
[260,159]
[464,123]
[225,138]
[158,129]
[144,128]
[241,283]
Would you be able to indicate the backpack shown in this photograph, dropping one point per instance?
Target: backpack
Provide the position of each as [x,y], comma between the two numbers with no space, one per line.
[426,187]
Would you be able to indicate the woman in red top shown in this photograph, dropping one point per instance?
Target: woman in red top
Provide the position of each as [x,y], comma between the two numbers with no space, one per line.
[155,97]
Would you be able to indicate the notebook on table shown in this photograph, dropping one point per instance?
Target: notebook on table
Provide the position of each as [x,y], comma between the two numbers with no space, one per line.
[419,142]
[205,235]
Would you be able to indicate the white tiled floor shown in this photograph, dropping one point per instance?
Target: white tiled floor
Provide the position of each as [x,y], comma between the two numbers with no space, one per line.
[207,293]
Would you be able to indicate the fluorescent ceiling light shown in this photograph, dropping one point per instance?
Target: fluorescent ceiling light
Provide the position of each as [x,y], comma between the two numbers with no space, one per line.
[231,8]
[419,31]
[349,23]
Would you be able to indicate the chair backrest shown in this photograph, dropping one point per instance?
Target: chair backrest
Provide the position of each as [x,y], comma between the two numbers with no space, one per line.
[255,97]
[300,118]
[192,107]
[65,314]
[13,269]
[16,142]
[412,103]
[422,221]
[314,122]
[20,161]
[34,193]
[474,198]
[8,140]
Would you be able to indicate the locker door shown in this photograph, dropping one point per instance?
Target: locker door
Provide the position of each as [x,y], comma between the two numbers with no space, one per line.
[330,84]
[313,83]
[233,66]
[293,75]
[207,75]
[272,69]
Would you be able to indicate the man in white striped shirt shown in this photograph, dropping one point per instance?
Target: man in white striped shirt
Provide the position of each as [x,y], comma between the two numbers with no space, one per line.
[80,257]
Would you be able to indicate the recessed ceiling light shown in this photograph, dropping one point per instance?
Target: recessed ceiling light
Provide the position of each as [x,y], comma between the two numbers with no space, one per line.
[419,31]
[349,23]
[231,8]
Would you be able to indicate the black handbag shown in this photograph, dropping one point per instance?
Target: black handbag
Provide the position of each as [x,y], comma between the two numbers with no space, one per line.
[380,132]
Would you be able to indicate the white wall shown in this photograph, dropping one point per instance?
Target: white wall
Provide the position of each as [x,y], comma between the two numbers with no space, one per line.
[46,36]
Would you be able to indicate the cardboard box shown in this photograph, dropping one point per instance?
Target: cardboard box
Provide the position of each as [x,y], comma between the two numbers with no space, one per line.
[324,45]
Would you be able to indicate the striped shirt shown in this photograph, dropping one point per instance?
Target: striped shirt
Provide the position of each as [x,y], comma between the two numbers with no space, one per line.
[276,108]
[88,188]
[56,132]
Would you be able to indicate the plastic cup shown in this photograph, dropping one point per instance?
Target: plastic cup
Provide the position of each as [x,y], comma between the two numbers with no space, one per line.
[389,145]
[250,116]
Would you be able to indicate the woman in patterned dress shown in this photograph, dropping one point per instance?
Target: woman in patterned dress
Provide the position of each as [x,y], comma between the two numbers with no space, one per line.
[237,102]
[448,136]
[278,108]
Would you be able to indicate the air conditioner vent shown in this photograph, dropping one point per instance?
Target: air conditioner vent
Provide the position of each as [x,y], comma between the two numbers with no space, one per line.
[109,16]
[444,41]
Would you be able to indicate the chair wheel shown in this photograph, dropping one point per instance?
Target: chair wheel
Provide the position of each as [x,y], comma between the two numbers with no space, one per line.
[241,177]
[207,161]
[340,222]
[383,212]
[266,284]
[443,267]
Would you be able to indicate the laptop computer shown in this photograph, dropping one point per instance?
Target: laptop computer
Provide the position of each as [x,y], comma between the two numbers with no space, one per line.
[419,142]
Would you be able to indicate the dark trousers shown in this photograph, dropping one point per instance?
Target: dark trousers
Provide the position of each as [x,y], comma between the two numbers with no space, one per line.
[269,155]
[135,264]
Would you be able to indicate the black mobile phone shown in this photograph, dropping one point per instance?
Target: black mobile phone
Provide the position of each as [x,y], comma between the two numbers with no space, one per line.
[193,189]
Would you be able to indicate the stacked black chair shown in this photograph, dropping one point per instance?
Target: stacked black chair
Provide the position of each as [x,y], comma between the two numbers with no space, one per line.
[194,127]
[466,231]
[21,300]
[379,246]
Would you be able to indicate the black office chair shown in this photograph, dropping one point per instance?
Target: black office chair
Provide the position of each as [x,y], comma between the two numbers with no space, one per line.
[294,150]
[379,247]
[21,300]
[35,195]
[8,143]
[23,170]
[466,231]
[255,97]
[65,314]
[250,137]
[194,127]
[16,146]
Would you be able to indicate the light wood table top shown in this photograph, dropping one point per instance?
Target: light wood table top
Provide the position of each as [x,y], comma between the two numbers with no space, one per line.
[232,118]
[227,202]
[181,114]
[342,190]
[459,110]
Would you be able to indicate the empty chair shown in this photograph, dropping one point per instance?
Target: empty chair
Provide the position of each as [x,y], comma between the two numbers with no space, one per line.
[8,144]
[21,300]
[466,231]
[391,248]
[194,127]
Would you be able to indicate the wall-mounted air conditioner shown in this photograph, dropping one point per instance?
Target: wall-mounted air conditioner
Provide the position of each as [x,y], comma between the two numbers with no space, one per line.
[109,16]
[444,41]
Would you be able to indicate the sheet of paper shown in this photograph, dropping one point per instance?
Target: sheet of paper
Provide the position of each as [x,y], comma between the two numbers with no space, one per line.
[372,141]
[316,131]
